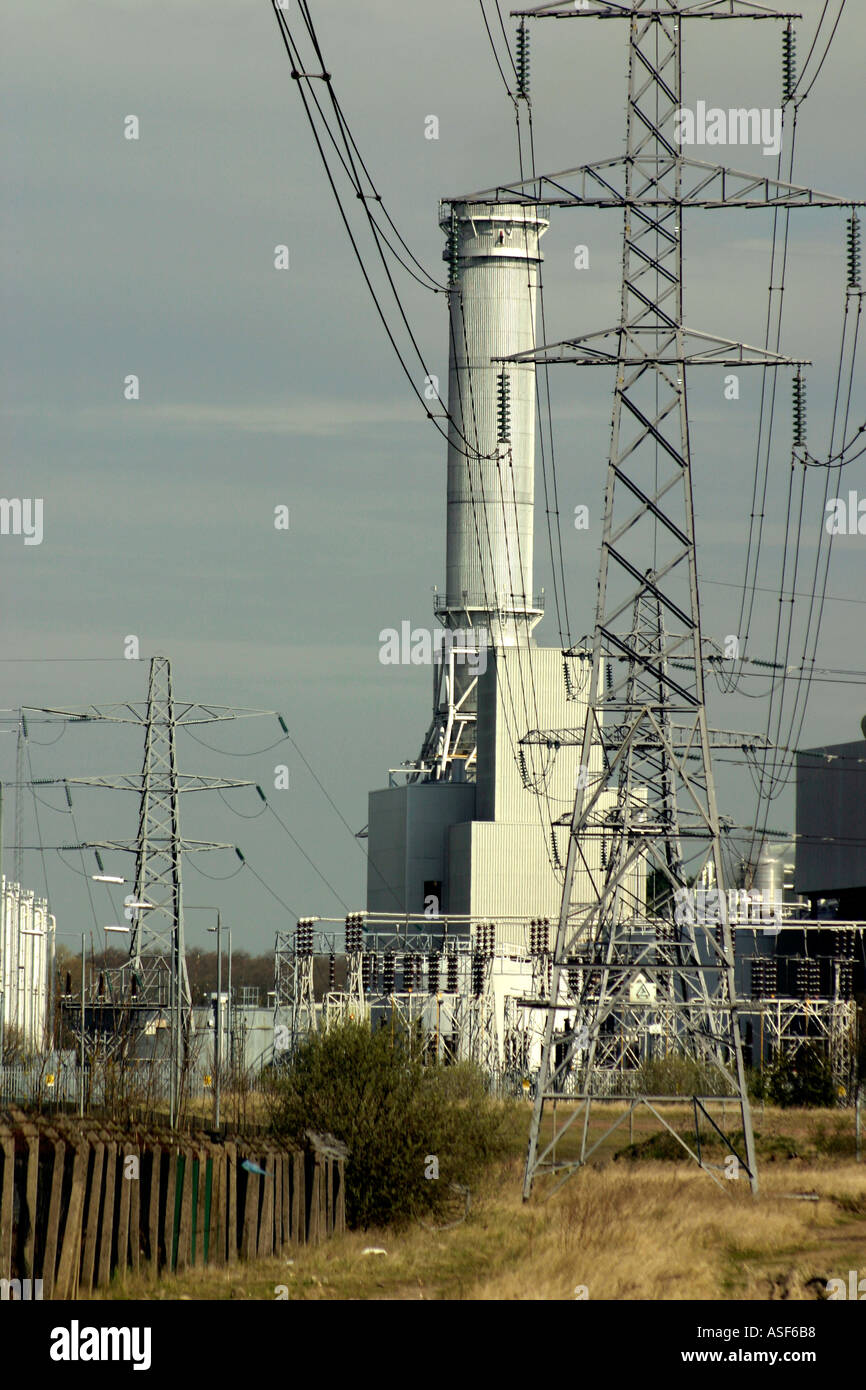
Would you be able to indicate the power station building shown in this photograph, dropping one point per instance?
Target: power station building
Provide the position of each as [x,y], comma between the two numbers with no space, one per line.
[473,829]
[831,829]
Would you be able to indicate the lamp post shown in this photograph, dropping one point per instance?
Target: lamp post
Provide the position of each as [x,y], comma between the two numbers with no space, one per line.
[2,936]
[200,907]
[81,1024]
[218,1074]
[219,1016]
[231,1029]
[132,909]
[81,1041]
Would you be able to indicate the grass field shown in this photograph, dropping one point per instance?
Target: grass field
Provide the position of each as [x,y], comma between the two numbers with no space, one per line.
[642,1227]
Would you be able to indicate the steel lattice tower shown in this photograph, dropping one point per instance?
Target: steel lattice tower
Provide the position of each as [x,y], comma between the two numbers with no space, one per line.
[645,787]
[154,979]
[157,933]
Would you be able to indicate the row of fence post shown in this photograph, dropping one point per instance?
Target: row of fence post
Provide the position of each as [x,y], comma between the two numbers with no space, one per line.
[84,1200]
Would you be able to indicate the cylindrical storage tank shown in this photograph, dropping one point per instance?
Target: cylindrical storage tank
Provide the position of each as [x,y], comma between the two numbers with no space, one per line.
[494,254]
[26,950]
[769,877]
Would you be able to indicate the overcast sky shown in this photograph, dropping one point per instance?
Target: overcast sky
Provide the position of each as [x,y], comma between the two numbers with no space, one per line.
[261,387]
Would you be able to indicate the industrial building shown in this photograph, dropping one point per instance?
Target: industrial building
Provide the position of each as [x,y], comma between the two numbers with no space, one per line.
[27,944]
[469,828]
[831,829]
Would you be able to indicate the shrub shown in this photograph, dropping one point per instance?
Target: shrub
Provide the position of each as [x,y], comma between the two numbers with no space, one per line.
[805,1079]
[376,1093]
[680,1076]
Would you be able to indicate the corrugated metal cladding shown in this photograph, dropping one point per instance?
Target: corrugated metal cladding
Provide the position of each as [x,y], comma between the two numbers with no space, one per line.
[408,842]
[490,499]
[524,689]
[502,865]
[831,819]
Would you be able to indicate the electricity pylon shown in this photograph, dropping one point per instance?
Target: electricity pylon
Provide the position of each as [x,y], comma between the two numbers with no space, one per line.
[652,804]
[154,979]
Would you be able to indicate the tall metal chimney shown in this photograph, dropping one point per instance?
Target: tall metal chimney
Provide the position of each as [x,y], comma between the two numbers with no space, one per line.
[494,257]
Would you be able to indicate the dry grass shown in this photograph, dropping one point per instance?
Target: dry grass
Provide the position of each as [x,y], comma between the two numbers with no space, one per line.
[662,1231]
[651,1230]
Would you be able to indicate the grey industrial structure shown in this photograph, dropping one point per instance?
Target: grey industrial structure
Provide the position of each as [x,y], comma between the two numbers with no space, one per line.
[831,829]
[507,907]
[469,827]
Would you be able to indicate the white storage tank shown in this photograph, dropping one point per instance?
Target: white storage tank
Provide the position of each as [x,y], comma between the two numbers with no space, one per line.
[27,941]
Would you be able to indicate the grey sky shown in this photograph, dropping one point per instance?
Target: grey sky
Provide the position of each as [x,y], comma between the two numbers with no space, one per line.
[258,387]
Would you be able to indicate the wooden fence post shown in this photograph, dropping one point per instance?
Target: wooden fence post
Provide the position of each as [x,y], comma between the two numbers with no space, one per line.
[185,1226]
[123,1208]
[217,1245]
[329,1195]
[285,1164]
[232,1200]
[29,1206]
[299,1198]
[170,1198]
[108,1216]
[153,1211]
[135,1211]
[313,1228]
[7,1203]
[278,1200]
[339,1200]
[249,1240]
[265,1245]
[91,1224]
[200,1209]
[66,1285]
[49,1262]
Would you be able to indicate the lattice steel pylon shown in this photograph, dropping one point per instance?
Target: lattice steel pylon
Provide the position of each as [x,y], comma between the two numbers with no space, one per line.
[154,978]
[157,932]
[646,710]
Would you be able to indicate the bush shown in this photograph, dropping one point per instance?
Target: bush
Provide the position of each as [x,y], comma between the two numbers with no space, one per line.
[805,1079]
[838,1141]
[376,1093]
[680,1076]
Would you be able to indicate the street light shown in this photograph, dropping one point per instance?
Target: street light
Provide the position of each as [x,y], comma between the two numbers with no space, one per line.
[201,907]
[219,1019]
[131,906]
[81,1056]
[81,1024]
